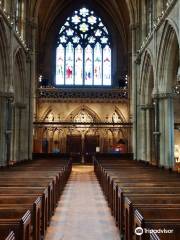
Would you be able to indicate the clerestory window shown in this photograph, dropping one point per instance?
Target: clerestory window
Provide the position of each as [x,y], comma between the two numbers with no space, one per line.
[83,54]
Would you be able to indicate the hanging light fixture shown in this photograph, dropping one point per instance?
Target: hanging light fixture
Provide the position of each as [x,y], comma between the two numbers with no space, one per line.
[176,88]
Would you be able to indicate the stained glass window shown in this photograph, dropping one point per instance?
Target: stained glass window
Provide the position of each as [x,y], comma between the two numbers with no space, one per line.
[98,64]
[78,65]
[83,53]
[60,65]
[106,65]
[88,65]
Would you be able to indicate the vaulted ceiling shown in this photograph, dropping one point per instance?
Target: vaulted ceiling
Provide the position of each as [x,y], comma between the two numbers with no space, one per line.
[48,10]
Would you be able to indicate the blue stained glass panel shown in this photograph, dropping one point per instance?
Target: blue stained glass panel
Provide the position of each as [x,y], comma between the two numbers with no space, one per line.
[69,63]
[88,65]
[107,66]
[98,64]
[60,65]
[78,65]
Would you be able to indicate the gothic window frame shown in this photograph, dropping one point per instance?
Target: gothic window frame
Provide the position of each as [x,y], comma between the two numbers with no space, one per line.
[84,29]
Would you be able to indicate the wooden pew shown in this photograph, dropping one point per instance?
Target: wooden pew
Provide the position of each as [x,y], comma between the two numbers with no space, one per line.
[44,183]
[54,190]
[117,182]
[140,190]
[163,218]
[162,236]
[130,203]
[126,183]
[43,178]
[7,235]
[119,187]
[43,193]
[34,204]
[18,220]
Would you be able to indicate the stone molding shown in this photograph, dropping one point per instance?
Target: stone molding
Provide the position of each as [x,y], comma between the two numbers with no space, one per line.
[20,105]
[146,106]
[82,95]
[8,95]
[163,95]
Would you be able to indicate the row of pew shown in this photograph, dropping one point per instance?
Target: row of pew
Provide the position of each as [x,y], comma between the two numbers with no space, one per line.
[29,193]
[144,199]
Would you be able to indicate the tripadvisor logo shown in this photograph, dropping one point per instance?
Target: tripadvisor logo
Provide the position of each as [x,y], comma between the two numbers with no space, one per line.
[138,231]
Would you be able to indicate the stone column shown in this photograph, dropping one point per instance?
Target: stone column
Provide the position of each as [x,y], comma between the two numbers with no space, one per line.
[31,76]
[9,114]
[23,133]
[169,132]
[135,74]
[2,131]
[16,134]
[142,133]
[5,128]
[156,133]
[148,134]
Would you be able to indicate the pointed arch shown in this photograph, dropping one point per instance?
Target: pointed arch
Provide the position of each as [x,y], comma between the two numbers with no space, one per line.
[168,50]
[4,59]
[120,114]
[147,78]
[19,74]
[46,113]
[87,109]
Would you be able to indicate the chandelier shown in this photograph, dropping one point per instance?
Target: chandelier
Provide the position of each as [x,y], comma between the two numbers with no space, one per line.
[176,88]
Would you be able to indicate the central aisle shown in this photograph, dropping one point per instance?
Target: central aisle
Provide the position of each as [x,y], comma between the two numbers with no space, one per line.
[82,213]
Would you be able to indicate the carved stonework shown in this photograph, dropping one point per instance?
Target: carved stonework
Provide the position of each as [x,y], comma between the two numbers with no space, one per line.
[146,106]
[82,95]
[163,95]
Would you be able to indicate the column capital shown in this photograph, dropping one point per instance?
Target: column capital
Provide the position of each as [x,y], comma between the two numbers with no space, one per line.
[20,105]
[146,107]
[163,95]
[7,95]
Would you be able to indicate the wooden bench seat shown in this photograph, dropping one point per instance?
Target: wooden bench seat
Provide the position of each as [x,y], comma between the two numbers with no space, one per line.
[163,218]
[138,182]
[140,190]
[41,192]
[18,220]
[44,183]
[150,184]
[34,204]
[57,181]
[130,203]
[6,234]
[164,236]
[25,185]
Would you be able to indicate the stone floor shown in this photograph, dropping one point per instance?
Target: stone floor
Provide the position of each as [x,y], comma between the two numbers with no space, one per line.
[82,213]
